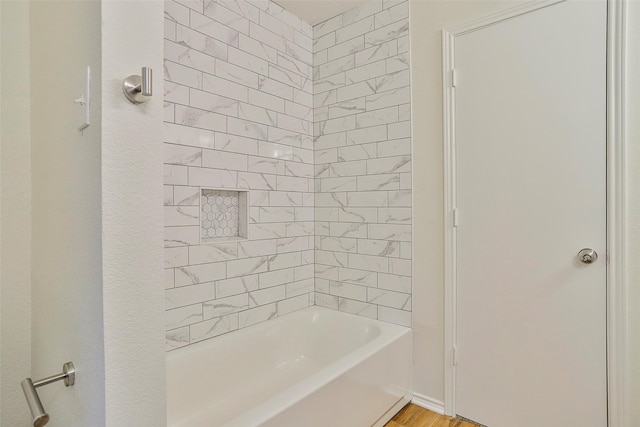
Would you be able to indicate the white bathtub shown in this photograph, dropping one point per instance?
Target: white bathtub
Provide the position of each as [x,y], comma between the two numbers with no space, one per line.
[312,368]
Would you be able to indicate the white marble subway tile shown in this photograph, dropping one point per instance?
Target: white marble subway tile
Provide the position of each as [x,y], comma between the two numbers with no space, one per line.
[337,184]
[294,65]
[367,135]
[401,198]
[212,252]
[331,199]
[266,100]
[298,169]
[386,33]
[255,248]
[258,49]
[223,160]
[213,178]
[276,278]
[285,260]
[188,57]
[363,10]
[304,112]
[345,48]
[338,244]
[225,88]
[236,74]
[182,155]
[404,112]
[392,81]
[259,198]
[348,290]
[201,273]
[367,71]
[236,144]
[276,151]
[348,229]
[175,175]
[369,263]
[174,92]
[201,42]
[336,259]
[318,58]
[403,44]
[267,37]
[243,8]
[346,108]
[355,29]
[323,85]
[213,327]
[390,232]
[322,285]
[221,14]
[213,103]
[284,136]
[304,214]
[168,195]
[328,272]
[285,198]
[339,124]
[327,26]
[356,152]
[291,183]
[392,14]
[329,155]
[176,257]
[379,182]
[196,118]
[321,44]
[265,165]
[320,114]
[395,147]
[332,140]
[325,99]
[188,295]
[181,215]
[303,272]
[368,198]
[352,168]
[213,28]
[334,67]
[236,285]
[294,124]
[357,307]
[386,4]
[326,214]
[294,244]
[289,78]
[257,315]
[399,130]
[267,231]
[294,303]
[398,63]
[246,128]
[257,114]
[400,266]
[321,228]
[304,96]
[405,250]
[361,215]
[385,248]
[389,98]
[299,229]
[183,316]
[192,4]
[176,12]
[276,26]
[377,117]
[405,181]
[266,296]
[242,267]
[325,300]
[392,315]
[181,236]
[378,52]
[177,338]
[170,28]
[181,74]
[256,181]
[276,214]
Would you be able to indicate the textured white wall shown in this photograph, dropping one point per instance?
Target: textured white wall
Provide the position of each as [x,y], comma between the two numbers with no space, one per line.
[15,225]
[633,192]
[428,19]
[132,34]
[66,252]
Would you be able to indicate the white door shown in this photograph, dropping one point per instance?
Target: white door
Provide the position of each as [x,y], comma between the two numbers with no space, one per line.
[530,122]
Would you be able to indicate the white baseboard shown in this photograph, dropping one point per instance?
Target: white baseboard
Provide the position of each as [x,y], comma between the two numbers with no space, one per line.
[428,403]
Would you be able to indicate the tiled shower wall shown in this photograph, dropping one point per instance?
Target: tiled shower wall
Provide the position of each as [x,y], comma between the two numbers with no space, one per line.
[362,147]
[239,112]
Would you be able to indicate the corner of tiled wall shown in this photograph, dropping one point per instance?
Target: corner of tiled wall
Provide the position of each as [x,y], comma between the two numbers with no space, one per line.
[239,111]
[362,133]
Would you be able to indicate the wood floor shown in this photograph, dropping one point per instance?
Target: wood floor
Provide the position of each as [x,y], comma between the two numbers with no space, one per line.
[415,416]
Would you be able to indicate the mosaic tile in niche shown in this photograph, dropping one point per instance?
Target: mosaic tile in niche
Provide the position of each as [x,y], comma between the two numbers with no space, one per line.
[221,214]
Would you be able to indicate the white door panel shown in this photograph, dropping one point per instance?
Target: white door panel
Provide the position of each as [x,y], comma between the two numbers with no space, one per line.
[530,123]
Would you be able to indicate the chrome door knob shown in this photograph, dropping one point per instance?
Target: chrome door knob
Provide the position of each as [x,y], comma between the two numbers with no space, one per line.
[587,256]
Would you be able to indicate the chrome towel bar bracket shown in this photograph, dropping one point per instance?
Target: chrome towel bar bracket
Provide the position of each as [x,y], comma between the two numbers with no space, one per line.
[138,89]
[40,416]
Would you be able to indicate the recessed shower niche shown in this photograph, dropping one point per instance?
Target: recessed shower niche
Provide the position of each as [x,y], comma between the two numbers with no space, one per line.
[223,215]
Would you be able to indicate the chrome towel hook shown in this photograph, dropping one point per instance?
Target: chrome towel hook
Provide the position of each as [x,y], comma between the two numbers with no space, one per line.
[40,416]
[138,89]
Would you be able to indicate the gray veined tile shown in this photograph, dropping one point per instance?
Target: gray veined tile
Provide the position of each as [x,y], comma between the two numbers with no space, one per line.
[357,307]
[379,182]
[257,315]
[176,12]
[355,29]
[394,80]
[327,26]
[345,48]
[364,10]
[386,33]
[246,128]
[212,28]
[258,114]
[183,316]
[181,74]
[197,118]
[383,248]
[201,42]
[236,285]
[213,327]
[243,8]
[349,107]
[177,338]
[356,152]
[221,14]
[367,71]
[224,306]
[392,14]
[188,57]
[376,53]
[258,49]
[236,74]
[182,155]
[188,295]
[361,277]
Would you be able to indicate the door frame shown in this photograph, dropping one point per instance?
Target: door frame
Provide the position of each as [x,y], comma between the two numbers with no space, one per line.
[616,203]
